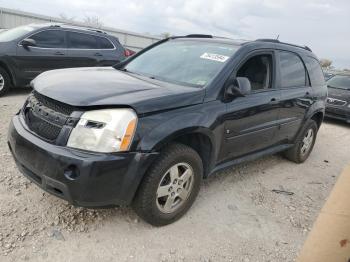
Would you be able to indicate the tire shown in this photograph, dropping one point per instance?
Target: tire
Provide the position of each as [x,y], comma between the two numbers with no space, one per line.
[149,202]
[5,81]
[297,153]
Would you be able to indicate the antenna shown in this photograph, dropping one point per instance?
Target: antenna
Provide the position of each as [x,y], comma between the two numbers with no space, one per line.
[278,36]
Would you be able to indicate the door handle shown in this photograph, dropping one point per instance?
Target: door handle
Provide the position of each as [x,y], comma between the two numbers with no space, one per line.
[58,53]
[97,54]
[273,101]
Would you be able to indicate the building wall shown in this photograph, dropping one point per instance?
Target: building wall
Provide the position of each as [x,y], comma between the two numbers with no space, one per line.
[12,18]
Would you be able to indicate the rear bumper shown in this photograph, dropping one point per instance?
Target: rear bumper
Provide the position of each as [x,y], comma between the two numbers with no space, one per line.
[82,178]
[340,113]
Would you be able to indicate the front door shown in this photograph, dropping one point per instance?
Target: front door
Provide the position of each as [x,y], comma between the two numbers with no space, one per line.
[48,53]
[251,122]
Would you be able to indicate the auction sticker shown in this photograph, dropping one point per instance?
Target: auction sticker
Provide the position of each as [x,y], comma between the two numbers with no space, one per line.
[214,57]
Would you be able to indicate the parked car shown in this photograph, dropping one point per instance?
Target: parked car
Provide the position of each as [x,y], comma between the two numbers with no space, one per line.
[27,51]
[338,101]
[163,120]
[328,76]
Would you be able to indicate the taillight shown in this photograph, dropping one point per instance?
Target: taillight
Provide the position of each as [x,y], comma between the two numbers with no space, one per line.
[127,52]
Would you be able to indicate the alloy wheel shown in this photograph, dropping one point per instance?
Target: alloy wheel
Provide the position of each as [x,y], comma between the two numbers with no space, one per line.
[175,187]
[2,82]
[307,142]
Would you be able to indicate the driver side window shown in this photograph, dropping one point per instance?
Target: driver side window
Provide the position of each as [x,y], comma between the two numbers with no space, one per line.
[258,69]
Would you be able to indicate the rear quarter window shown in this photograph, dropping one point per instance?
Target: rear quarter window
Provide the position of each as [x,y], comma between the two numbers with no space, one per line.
[315,71]
[105,43]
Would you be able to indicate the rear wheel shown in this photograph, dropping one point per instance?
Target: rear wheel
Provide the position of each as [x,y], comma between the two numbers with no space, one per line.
[5,81]
[170,186]
[304,143]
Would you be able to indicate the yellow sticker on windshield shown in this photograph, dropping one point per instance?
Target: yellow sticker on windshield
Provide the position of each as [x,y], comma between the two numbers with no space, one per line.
[215,57]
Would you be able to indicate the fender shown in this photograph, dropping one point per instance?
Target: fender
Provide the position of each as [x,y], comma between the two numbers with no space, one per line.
[168,130]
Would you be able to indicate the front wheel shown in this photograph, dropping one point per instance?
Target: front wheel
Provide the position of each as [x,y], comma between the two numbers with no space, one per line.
[170,186]
[303,144]
[5,82]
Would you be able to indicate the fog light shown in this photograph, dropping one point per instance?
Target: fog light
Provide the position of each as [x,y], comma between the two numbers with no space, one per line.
[71,173]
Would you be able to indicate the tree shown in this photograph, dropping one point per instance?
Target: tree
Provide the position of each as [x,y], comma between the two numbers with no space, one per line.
[326,63]
[165,35]
[93,21]
[67,18]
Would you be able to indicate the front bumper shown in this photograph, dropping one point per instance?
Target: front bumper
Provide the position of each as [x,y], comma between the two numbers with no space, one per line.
[340,113]
[82,178]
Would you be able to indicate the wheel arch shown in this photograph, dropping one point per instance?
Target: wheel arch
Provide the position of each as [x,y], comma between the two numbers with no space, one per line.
[9,72]
[318,118]
[200,139]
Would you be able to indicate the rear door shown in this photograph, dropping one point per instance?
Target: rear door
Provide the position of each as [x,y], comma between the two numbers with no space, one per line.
[49,53]
[83,49]
[296,94]
[111,52]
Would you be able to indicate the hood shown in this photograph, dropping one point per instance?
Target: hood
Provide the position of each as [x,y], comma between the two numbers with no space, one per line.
[106,86]
[342,94]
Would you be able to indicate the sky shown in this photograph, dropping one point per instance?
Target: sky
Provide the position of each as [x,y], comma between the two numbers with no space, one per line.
[323,25]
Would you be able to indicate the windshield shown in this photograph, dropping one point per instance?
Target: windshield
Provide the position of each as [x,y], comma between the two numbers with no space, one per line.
[192,63]
[342,82]
[15,33]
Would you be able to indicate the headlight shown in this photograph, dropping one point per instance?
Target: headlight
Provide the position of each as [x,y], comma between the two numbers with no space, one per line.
[106,130]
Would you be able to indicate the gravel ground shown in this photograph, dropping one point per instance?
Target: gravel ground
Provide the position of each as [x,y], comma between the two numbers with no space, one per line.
[236,217]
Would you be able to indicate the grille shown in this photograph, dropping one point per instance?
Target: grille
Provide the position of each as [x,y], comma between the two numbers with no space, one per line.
[336,102]
[42,127]
[45,116]
[53,104]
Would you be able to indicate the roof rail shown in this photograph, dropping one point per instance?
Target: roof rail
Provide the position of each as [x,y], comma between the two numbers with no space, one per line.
[95,30]
[279,42]
[78,27]
[199,36]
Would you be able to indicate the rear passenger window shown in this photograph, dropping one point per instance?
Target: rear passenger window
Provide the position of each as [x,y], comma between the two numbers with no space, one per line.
[105,43]
[293,72]
[49,39]
[315,71]
[82,41]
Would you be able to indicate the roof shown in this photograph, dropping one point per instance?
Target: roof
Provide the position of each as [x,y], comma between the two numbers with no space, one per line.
[241,41]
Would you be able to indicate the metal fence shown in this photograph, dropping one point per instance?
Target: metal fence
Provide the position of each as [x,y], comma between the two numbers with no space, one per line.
[12,18]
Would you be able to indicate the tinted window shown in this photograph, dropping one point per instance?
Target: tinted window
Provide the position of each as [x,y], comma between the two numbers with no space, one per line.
[292,70]
[315,71]
[82,41]
[49,39]
[105,43]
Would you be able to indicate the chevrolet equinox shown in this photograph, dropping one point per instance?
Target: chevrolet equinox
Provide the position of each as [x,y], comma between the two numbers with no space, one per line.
[148,130]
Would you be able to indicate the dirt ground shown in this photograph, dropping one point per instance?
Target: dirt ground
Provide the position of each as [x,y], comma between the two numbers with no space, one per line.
[237,216]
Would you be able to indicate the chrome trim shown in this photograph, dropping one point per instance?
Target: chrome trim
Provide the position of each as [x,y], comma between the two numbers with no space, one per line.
[331,100]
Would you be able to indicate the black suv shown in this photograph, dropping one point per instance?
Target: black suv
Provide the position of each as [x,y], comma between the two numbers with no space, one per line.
[147,131]
[338,101]
[27,51]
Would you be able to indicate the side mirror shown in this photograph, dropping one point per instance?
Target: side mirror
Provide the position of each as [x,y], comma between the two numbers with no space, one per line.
[239,87]
[28,42]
